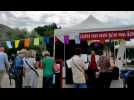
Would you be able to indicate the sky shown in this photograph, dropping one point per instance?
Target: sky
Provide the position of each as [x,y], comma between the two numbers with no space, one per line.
[31,19]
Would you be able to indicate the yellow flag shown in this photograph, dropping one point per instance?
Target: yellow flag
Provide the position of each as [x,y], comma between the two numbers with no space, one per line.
[17,43]
[36,41]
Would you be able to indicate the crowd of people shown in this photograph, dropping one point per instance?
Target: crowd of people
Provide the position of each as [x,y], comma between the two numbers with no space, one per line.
[100,72]
[23,66]
[23,69]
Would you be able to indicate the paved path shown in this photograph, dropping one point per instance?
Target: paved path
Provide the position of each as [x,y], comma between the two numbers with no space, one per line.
[6,82]
[114,84]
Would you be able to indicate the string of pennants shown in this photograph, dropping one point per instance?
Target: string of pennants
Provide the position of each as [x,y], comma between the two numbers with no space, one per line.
[36,41]
[27,42]
[66,39]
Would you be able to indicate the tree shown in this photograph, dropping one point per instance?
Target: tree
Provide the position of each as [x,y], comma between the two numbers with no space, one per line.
[0,35]
[46,30]
[33,34]
[21,33]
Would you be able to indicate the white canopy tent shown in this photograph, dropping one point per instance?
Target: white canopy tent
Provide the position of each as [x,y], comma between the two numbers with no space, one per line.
[91,24]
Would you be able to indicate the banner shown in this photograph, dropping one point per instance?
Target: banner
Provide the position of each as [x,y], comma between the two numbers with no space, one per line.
[9,45]
[47,39]
[17,43]
[36,41]
[77,40]
[66,39]
[26,43]
[127,34]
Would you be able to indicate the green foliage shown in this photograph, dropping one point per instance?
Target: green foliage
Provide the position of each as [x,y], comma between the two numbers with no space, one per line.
[130,53]
[46,30]
[40,31]
[0,35]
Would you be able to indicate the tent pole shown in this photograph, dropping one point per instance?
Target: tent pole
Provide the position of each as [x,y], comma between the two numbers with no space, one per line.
[114,51]
[54,47]
[126,56]
[64,65]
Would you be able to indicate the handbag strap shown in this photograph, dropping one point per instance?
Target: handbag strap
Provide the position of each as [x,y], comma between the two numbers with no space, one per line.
[31,68]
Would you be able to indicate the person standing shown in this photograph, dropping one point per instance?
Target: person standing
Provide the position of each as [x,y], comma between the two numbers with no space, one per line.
[78,70]
[105,72]
[4,64]
[57,70]
[30,73]
[48,70]
[18,70]
[119,63]
[92,69]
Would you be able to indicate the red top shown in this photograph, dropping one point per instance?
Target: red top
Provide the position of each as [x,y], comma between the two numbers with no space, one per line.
[93,64]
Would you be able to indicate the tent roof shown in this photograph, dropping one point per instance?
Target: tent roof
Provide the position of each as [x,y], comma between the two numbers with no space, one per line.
[91,24]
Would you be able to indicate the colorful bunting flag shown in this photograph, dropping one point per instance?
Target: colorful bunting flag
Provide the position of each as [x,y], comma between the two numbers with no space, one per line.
[26,43]
[9,45]
[41,40]
[66,39]
[36,41]
[77,40]
[17,43]
[47,39]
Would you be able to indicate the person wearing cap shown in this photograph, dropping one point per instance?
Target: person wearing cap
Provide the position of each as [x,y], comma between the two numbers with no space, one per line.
[4,64]
[19,64]
[48,72]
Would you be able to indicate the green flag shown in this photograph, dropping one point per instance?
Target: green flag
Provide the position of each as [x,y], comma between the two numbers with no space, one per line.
[41,40]
[36,41]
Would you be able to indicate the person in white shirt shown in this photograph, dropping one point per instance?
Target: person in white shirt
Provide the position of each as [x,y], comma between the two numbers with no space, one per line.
[78,70]
[119,63]
[30,77]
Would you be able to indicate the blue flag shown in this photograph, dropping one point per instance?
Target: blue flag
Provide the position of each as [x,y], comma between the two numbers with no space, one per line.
[77,40]
[47,39]
[9,45]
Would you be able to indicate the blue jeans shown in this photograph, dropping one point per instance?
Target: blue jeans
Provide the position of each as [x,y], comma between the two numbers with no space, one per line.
[82,85]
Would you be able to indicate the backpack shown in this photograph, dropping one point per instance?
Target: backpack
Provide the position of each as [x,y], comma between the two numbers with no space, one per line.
[11,71]
[57,68]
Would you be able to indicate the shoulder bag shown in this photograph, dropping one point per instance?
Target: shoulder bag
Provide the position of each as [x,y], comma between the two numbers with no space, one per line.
[86,77]
[32,68]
